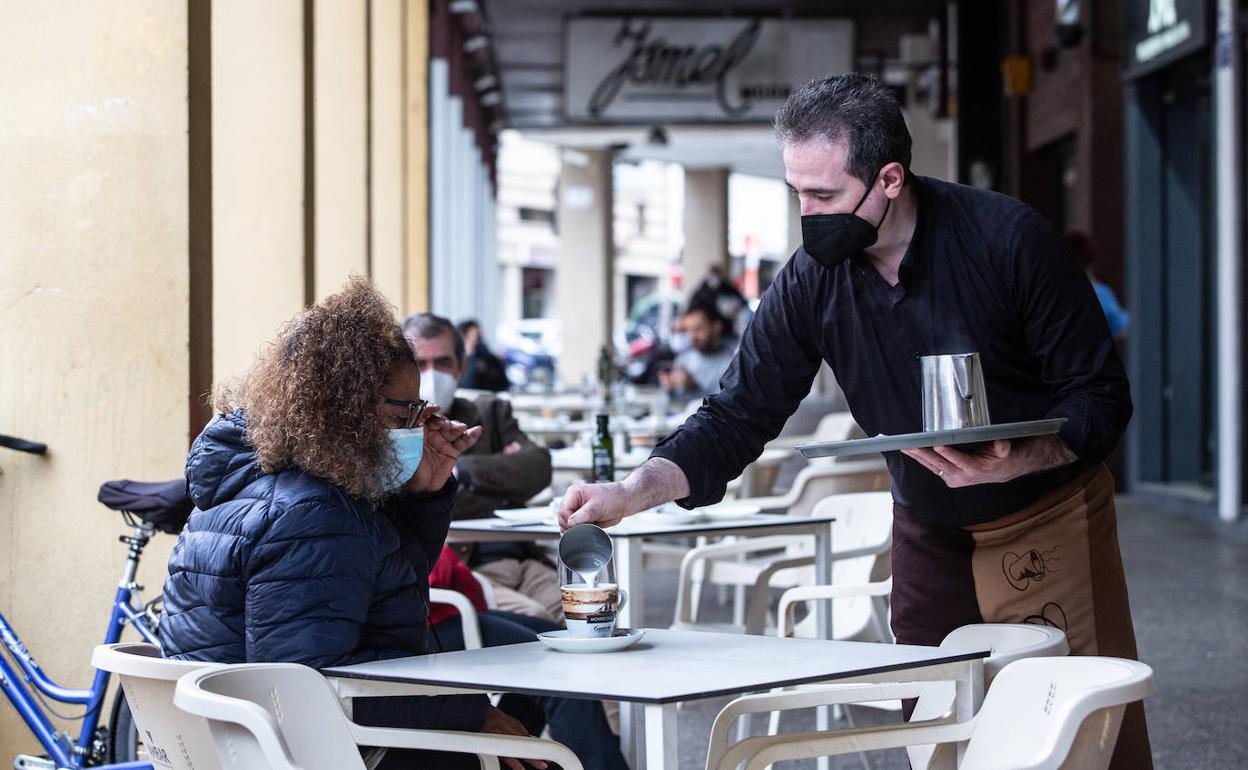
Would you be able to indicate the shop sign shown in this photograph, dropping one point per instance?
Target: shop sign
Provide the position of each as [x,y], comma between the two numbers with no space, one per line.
[632,70]
[1158,32]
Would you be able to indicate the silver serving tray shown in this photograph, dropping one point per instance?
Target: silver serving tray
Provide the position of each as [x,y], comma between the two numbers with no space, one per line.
[862,446]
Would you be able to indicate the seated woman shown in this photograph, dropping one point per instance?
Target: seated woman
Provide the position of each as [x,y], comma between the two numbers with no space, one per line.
[581,725]
[323,497]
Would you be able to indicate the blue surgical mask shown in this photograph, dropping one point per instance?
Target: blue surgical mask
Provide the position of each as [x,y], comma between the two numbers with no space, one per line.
[409,447]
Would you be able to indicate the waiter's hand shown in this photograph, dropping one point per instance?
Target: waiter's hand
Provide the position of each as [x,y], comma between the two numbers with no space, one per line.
[996,463]
[603,504]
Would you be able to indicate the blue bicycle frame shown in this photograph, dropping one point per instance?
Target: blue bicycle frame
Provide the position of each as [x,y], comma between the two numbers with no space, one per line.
[58,747]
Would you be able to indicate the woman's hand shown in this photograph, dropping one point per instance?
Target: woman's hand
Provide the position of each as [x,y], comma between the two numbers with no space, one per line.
[500,723]
[445,441]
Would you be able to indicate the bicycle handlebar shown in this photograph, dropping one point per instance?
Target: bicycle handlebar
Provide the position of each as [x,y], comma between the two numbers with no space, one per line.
[22,445]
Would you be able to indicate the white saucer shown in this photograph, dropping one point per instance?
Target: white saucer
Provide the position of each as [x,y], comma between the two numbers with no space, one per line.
[538,515]
[670,515]
[730,511]
[623,639]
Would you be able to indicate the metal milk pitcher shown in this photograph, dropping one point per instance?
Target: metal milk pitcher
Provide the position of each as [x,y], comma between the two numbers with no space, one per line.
[953,392]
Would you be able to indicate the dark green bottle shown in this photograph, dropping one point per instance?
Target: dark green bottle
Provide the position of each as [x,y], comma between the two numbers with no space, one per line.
[603,452]
[606,373]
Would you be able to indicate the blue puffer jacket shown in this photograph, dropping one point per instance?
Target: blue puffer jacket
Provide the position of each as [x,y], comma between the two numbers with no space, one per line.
[287,567]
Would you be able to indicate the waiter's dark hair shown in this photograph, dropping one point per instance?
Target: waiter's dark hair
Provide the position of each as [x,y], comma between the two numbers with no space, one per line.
[856,109]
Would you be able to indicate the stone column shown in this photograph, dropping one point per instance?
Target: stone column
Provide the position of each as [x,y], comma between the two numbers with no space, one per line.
[706,224]
[259,259]
[583,279]
[340,142]
[95,285]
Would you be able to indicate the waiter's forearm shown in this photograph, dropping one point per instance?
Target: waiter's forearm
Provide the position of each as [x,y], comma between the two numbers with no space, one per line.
[656,481]
[1043,453]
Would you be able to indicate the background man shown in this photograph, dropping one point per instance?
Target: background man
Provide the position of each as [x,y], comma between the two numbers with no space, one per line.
[504,469]
[696,371]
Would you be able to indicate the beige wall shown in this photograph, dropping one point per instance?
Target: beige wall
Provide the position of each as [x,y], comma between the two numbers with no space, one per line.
[706,224]
[93,306]
[128,209]
[257,175]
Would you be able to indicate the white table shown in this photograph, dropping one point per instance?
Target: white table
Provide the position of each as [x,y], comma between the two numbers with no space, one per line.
[580,459]
[628,537]
[576,403]
[666,668]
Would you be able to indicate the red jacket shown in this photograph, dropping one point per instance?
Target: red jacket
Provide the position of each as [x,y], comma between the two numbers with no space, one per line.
[452,573]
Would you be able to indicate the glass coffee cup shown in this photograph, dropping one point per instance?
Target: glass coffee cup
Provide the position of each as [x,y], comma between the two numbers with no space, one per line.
[591,602]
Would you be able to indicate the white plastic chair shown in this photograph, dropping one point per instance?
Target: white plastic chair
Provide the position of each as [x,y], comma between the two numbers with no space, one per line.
[812,484]
[1040,714]
[172,738]
[283,716]
[761,474]
[467,614]
[1008,642]
[834,426]
[861,541]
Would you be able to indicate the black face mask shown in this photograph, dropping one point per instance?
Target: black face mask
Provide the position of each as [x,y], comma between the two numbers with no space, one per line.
[833,238]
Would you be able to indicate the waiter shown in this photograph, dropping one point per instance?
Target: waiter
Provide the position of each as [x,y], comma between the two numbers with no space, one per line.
[893,267]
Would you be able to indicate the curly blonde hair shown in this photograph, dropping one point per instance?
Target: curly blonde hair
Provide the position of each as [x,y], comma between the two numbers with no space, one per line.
[310,399]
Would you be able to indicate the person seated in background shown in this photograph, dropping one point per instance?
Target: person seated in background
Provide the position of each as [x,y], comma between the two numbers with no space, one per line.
[323,495]
[1116,316]
[697,370]
[482,369]
[581,725]
[502,470]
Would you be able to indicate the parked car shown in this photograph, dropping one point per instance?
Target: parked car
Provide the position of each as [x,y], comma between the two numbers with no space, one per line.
[530,349]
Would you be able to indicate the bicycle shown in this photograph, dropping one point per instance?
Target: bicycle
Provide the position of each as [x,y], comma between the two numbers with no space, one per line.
[147,508]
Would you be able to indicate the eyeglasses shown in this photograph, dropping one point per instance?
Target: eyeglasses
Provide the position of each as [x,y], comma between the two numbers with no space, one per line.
[414,410]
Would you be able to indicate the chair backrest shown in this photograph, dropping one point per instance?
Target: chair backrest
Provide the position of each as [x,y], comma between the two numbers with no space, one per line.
[1008,642]
[835,426]
[864,521]
[271,716]
[1049,713]
[816,482]
[172,738]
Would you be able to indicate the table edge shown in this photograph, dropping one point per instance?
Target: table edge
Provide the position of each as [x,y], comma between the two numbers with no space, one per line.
[955,658]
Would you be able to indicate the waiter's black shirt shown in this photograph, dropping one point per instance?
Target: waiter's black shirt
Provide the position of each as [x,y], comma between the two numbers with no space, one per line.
[983,273]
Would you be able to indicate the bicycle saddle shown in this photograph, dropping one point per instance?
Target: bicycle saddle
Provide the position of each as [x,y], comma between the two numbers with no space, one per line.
[163,504]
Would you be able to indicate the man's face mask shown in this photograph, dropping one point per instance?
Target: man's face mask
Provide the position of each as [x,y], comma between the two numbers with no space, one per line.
[438,387]
[832,238]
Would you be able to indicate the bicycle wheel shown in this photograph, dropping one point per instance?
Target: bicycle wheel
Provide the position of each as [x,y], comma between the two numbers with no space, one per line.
[124,743]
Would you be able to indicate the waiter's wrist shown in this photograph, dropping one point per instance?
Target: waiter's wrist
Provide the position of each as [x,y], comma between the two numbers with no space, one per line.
[1044,453]
[656,481]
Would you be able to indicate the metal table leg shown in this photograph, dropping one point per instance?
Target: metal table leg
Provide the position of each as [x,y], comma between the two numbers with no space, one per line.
[662,737]
[629,572]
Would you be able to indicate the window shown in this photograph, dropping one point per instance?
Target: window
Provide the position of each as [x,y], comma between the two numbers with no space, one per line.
[545,216]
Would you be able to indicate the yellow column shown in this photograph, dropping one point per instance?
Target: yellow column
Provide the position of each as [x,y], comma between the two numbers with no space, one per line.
[340,112]
[93,306]
[257,175]
[416,156]
[386,161]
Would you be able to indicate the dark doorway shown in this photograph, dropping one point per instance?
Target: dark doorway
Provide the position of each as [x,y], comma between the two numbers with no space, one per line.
[1171,219]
